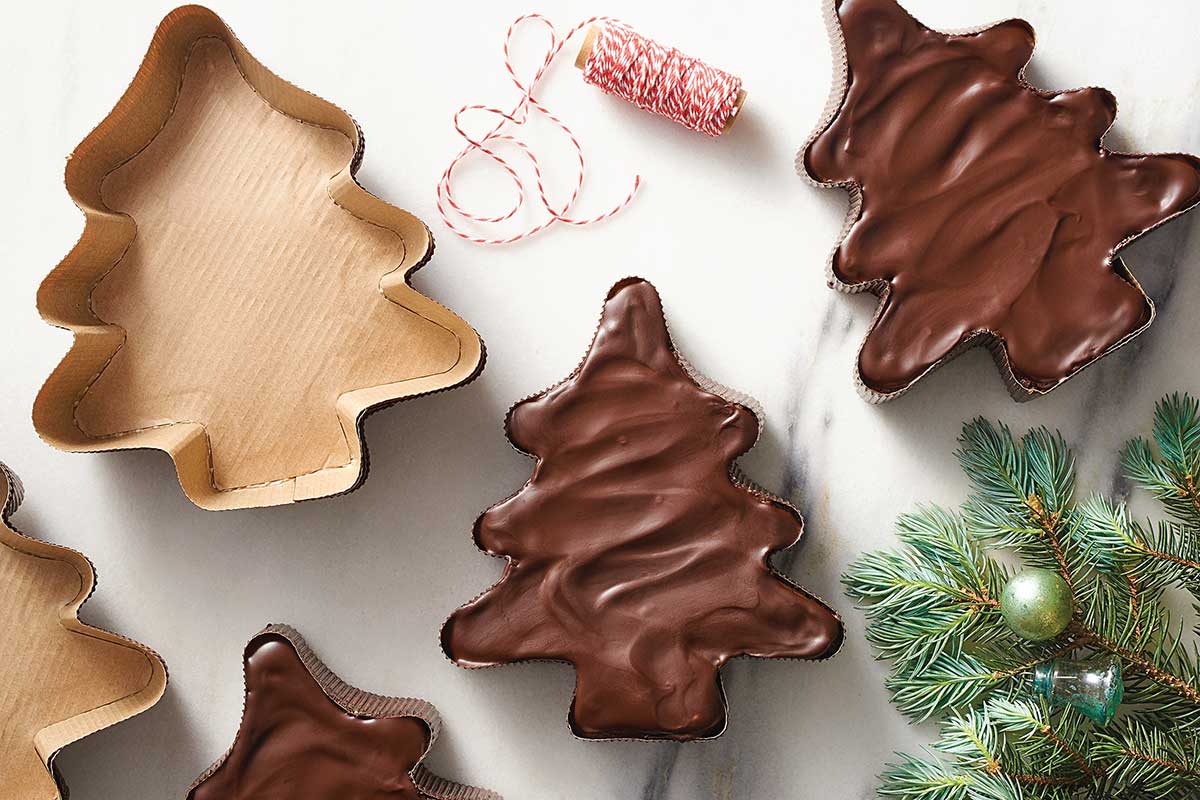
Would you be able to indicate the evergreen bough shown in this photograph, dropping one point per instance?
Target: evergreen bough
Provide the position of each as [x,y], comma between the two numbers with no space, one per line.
[933,610]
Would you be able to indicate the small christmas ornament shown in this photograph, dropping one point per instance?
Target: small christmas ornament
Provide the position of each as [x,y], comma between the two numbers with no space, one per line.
[1037,604]
[1093,687]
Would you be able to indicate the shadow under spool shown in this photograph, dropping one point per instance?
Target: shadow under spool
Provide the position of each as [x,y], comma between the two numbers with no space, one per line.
[589,41]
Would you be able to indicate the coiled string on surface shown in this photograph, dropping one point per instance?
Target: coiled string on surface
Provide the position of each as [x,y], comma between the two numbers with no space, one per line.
[619,61]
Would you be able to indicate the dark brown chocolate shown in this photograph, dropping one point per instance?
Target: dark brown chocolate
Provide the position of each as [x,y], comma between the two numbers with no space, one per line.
[632,552]
[305,733]
[989,208]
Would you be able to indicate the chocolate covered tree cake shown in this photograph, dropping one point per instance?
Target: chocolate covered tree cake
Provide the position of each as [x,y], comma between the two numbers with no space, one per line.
[634,553]
[983,209]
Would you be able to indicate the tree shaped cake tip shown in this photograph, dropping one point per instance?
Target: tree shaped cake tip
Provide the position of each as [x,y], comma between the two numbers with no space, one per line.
[983,210]
[633,552]
[305,730]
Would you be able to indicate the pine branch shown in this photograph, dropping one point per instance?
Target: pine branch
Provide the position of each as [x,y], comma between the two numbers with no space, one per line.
[1163,682]
[1023,493]
[1153,558]
[1034,727]
[948,682]
[1156,761]
[1173,545]
[933,609]
[1049,523]
[987,753]
[931,598]
[915,778]
[1173,477]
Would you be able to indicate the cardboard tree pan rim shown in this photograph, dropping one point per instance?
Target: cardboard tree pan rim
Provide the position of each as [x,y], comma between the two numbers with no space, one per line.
[66,680]
[265,405]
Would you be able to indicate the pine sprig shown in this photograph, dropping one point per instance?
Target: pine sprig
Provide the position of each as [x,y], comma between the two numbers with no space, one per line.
[1023,492]
[916,778]
[1171,475]
[1155,761]
[932,610]
[932,598]
[1052,747]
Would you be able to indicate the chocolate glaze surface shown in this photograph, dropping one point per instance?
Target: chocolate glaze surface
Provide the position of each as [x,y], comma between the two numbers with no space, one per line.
[632,554]
[988,206]
[296,743]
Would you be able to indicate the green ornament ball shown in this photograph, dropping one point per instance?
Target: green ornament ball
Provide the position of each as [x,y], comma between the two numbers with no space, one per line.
[1036,604]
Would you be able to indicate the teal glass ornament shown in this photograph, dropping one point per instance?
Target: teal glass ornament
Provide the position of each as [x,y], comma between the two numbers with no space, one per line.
[1094,687]
[1037,604]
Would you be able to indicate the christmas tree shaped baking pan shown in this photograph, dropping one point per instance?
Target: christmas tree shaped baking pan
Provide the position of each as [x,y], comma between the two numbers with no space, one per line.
[237,299]
[60,680]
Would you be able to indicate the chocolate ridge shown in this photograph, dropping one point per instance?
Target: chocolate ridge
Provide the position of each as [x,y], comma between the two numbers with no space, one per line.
[359,703]
[736,477]
[881,288]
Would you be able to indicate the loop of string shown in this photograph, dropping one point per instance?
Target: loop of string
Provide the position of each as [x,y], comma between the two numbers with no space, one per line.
[518,116]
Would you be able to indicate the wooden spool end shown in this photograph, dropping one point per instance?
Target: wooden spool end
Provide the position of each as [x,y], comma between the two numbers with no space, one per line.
[585,50]
[737,109]
[589,41]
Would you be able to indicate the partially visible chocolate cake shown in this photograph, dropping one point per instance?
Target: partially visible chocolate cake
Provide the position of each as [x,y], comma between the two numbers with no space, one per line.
[306,734]
[984,210]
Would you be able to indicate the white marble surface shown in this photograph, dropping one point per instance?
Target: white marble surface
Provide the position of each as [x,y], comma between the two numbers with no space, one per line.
[737,245]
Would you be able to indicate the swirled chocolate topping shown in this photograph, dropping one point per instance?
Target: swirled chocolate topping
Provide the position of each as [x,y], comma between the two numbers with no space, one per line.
[989,208]
[632,552]
[295,741]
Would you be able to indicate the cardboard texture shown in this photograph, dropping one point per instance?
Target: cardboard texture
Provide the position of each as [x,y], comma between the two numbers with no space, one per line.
[237,299]
[60,680]
[346,746]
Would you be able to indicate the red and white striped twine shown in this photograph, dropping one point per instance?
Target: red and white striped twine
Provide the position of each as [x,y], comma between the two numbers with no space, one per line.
[653,77]
[661,80]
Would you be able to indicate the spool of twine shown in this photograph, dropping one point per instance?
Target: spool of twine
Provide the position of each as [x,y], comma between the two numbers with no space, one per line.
[619,61]
[660,79]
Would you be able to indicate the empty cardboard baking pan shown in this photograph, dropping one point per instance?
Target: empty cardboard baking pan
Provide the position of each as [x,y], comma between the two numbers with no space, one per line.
[60,680]
[237,299]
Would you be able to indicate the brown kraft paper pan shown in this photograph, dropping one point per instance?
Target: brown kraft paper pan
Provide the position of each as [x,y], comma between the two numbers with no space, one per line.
[237,300]
[60,680]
